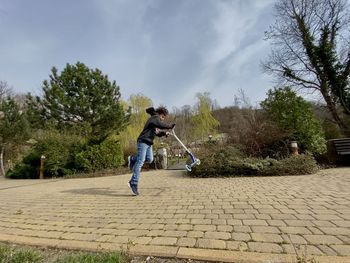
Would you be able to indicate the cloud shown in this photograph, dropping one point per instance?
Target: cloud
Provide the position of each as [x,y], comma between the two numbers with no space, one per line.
[167,50]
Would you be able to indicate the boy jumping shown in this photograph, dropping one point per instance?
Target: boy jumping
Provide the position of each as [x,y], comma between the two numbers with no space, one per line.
[145,142]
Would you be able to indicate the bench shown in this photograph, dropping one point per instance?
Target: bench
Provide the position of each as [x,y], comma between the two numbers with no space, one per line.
[342,149]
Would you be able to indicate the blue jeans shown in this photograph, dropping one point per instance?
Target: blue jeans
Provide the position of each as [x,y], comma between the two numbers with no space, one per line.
[144,153]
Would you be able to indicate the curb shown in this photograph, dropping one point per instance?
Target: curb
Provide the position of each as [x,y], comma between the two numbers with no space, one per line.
[168,251]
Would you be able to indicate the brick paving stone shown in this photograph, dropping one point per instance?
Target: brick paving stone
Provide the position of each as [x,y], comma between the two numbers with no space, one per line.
[264,247]
[254,222]
[185,227]
[275,222]
[244,216]
[204,228]
[294,239]
[294,230]
[170,227]
[243,229]
[233,245]
[186,242]
[327,217]
[341,223]
[142,240]
[304,216]
[217,235]
[218,221]
[264,237]
[327,250]
[201,221]
[266,229]
[211,244]
[335,231]
[215,213]
[137,233]
[320,223]
[224,228]
[174,233]
[323,239]
[195,234]
[342,250]
[308,249]
[298,222]
[263,216]
[241,237]
[163,241]
[234,222]
[315,230]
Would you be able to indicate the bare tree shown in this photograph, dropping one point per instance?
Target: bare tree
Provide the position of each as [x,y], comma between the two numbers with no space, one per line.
[5,89]
[311,51]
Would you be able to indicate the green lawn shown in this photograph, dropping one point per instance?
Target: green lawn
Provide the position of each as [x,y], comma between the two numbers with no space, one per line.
[14,254]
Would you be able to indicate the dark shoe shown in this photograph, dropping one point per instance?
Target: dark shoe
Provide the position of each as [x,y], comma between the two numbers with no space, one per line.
[133,188]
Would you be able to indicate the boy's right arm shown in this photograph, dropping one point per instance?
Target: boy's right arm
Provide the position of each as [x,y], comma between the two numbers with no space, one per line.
[162,125]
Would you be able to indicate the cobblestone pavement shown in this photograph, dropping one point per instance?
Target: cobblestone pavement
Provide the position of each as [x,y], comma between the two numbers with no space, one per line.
[173,212]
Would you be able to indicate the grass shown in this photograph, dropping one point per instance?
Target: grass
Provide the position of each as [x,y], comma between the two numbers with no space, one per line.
[14,254]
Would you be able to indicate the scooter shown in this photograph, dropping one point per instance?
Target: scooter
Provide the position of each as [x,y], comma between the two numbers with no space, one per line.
[194,160]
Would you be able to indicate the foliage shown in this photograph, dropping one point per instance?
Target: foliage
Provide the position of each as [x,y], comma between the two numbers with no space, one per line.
[203,121]
[11,255]
[13,124]
[137,104]
[14,127]
[311,51]
[293,114]
[111,257]
[59,150]
[108,154]
[79,99]
[227,161]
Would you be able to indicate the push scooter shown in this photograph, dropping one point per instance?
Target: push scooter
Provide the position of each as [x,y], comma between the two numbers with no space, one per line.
[194,160]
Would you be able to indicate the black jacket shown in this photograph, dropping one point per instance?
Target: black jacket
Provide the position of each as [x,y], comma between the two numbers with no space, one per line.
[152,126]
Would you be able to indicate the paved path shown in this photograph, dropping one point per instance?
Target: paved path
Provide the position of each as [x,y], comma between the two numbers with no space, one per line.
[227,219]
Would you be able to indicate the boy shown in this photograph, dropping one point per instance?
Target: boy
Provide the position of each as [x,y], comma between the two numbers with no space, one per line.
[145,142]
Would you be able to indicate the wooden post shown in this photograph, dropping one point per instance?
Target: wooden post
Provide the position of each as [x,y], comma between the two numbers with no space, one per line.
[294,147]
[42,159]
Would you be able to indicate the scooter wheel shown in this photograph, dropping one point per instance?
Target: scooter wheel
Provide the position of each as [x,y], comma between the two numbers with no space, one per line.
[188,168]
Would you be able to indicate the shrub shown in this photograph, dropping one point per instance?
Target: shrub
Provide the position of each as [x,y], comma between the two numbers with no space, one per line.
[229,161]
[108,154]
[59,150]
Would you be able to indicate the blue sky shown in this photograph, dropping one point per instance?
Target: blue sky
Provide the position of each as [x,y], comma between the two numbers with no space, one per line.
[166,49]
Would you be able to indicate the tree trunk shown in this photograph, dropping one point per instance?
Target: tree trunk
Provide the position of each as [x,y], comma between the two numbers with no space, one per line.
[2,160]
[332,109]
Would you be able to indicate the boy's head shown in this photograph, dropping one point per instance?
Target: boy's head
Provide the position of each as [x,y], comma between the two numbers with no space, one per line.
[162,112]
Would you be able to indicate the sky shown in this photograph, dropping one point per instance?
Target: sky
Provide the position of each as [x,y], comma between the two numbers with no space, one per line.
[168,50]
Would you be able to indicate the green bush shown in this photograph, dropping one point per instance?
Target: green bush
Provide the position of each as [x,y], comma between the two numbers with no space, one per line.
[108,154]
[27,169]
[67,154]
[228,161]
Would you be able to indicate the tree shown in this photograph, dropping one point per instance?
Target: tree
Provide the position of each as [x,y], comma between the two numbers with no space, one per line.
[312,51]
[14,127]
[81,99]
[5,90]
[203,120]
[137,103]
[293,114]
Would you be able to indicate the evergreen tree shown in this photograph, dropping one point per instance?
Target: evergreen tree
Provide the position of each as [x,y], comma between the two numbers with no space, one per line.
[79,99]
[14,126]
